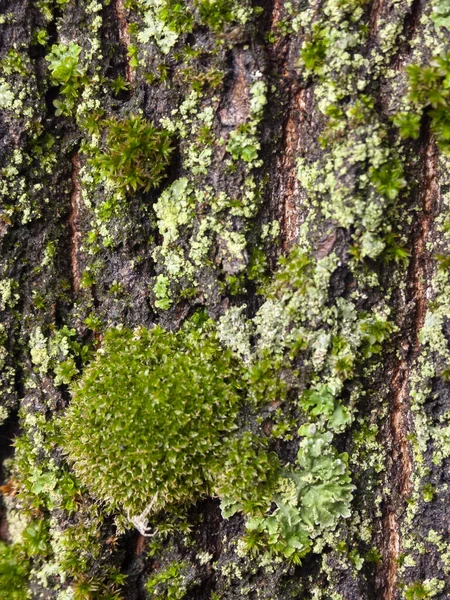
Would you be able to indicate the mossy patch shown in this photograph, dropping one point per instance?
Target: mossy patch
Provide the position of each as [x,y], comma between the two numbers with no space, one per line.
[151,420]
[14,571]
[136,156]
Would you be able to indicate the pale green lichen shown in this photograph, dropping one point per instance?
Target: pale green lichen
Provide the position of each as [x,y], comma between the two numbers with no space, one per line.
[157,28]
[174,208]
[57,353]
[9,295]
[6,95]
[234,331]
[3,414]
[317,494]
[161,290]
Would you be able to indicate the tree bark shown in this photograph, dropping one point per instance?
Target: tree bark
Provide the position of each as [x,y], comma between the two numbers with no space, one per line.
[308,93]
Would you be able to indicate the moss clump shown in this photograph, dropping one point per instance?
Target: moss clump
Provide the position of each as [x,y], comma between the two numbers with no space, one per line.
[169,583]
[66,71]
[216,13]
[248,475]
[428,89]
[424,590]
[14,571]
[150,421]
[137,156]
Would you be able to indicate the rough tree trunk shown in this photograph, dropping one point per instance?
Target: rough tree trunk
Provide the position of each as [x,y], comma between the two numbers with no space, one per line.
[284,125]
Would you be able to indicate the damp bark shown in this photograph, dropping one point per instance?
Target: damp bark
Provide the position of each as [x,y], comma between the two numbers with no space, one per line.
[84,257]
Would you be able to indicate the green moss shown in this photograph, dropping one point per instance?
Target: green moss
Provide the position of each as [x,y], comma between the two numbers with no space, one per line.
[81,553]
[428,91]
[424,590]
[66,71]
[373,556]
[216,13]
[248,475]
[428,492]
[302,337]
[14,572]
[67,539]
[170,583]
[150,420]
[388,179]
[314,51]
[408,124]
[295,323]
[137,155]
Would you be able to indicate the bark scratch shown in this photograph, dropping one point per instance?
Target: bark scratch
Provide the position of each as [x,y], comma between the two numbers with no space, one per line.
[401,468]
[277,16]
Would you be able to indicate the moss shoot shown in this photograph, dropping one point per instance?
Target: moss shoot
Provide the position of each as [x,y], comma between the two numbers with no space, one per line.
[151,417]
[137,154]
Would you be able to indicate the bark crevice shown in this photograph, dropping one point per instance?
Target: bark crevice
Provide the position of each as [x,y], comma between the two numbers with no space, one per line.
[287,167]
[124,37]
[401,463]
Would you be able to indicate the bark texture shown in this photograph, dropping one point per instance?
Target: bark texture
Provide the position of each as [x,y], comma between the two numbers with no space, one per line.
[283,119]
